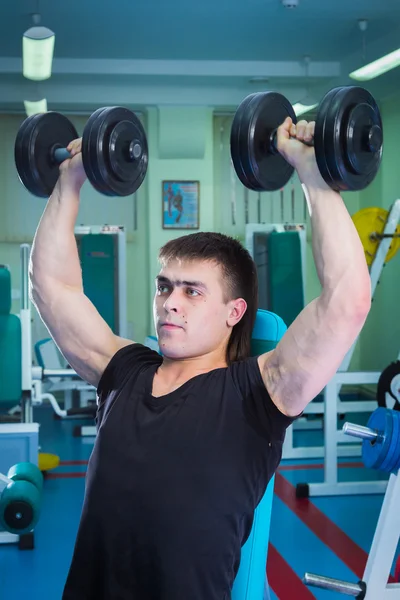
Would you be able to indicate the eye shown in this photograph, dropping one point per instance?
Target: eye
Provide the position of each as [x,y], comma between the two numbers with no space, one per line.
[192,292]
[162,289]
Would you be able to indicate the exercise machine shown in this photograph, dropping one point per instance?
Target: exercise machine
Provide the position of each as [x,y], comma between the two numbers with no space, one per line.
[380,450]
[20,503]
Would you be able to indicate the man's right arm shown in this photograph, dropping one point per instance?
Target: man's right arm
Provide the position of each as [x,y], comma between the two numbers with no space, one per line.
[56,285]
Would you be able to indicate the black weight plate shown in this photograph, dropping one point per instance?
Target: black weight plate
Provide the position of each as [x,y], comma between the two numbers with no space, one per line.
[235,140]
[320,136]
[350,117]
[253,155]
[106,152]
[36,138]
[88,140]
[266,113]
[20,164]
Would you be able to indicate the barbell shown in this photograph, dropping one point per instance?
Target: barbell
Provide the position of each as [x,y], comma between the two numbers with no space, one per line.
[370,223]
[114,151]
[348,140]
[381,439]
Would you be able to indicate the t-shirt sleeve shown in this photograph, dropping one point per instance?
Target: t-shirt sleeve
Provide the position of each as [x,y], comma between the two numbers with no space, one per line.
[258,407]
[124,366]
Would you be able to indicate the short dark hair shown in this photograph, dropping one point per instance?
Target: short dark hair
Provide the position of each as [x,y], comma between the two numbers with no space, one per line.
[240,275]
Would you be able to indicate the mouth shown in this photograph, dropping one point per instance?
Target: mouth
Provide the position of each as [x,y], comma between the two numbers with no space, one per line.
[169,326]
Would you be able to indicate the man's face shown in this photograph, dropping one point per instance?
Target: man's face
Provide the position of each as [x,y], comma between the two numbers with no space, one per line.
[191,316]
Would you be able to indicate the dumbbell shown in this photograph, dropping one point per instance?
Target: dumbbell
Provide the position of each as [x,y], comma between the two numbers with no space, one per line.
[348,140]
[20,501]
[381,439]
[114,151]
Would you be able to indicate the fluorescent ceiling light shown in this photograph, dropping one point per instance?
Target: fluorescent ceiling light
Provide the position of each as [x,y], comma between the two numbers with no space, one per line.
[302,109]
[377,67]
[33,108]
[37,53]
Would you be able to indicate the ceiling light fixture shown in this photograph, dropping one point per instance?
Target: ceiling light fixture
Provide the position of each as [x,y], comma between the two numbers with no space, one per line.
[35,107]
[37,51]
[377,67]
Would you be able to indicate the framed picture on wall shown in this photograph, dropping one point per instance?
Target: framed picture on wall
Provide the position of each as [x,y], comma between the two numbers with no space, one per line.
[180,204]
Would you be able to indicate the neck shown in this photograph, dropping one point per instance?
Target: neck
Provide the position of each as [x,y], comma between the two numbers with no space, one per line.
[173,370]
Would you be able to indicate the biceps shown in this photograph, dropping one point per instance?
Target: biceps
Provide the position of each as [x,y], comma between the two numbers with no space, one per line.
[82,335]
[309,355]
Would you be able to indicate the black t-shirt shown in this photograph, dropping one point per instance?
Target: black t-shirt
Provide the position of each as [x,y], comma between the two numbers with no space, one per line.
[173,482]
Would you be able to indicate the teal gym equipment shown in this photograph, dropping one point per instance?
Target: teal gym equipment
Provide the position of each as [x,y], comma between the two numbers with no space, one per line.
[21,498]
[102,254]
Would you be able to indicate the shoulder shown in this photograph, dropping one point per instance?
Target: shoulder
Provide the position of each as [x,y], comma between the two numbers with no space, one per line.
[127,362]
[259,408]
[246,373]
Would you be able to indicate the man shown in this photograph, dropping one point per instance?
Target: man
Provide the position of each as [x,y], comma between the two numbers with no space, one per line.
[188,441]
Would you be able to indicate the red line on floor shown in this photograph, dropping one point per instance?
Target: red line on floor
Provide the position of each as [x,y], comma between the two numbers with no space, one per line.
[283,580]
[312,467]
[326,530]
[354,557]
[70,463]
[65,475]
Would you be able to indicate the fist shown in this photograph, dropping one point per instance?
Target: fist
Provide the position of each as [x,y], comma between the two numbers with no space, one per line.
[71,169]
[295,144]
[294,140]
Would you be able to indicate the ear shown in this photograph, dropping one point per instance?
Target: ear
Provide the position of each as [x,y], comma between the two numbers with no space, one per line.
[236,310]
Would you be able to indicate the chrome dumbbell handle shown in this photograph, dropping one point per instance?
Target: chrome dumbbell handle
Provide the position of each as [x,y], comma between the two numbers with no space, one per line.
[359,431]
[357,590]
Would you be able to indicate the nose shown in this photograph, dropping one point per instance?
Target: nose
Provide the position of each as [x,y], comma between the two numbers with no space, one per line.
[174,301]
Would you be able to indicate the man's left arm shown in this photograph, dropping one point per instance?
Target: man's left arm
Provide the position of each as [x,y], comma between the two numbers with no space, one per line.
[315,344]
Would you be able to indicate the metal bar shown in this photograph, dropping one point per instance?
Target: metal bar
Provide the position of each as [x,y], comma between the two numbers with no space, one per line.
[381,236]
[384,545]
[330,429]
[358,431]
[233,194]
[246,205]
[26,335]
[335,585]
[59,373]
[61,154]
[25,254]
[352,488]
[38,373]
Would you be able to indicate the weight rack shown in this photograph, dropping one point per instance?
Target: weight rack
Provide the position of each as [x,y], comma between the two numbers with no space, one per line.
[374,585]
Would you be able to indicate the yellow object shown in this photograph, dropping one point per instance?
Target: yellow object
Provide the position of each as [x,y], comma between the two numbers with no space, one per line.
[369,221]
[48,461]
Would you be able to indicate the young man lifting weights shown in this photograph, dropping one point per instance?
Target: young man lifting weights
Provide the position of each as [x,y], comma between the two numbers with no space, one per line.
[188,441]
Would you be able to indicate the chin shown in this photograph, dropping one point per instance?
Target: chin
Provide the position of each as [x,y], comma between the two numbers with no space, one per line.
[174,351]
[170,350]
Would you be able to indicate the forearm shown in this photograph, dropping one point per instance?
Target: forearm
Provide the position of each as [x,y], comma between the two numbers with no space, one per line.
[55,257]
[337,249]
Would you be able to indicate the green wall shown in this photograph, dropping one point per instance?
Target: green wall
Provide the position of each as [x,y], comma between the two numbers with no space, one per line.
[180,148]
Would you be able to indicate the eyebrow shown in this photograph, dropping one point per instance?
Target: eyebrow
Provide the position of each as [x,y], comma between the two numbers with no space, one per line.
[179,282]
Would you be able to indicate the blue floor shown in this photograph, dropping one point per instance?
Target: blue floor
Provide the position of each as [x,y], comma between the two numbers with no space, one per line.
[40,574]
